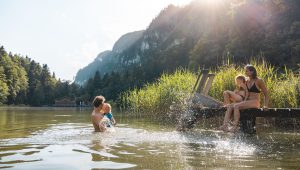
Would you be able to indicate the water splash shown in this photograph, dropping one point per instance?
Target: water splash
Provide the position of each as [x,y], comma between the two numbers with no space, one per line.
[183,113]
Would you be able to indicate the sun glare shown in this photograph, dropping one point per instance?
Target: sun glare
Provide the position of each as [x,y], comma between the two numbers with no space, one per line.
[211,2]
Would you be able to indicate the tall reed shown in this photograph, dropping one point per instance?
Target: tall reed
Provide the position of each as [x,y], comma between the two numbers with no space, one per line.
[158,97]
[283,88]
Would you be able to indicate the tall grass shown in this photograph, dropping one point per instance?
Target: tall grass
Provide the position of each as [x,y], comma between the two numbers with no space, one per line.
[158,97]
[283,87]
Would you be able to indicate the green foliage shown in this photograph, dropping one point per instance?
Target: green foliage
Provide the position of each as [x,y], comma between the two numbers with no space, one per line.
[282,86]
[170,89]
[224,80]
[3,86]
[158,97]
[23,81]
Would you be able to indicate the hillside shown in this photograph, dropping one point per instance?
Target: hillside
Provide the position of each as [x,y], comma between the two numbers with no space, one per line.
[203,35]
[105,61]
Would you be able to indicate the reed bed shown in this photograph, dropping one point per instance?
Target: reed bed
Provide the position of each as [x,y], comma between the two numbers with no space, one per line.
[175,89]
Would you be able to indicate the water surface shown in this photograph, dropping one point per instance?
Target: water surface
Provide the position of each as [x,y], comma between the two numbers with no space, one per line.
[58,138]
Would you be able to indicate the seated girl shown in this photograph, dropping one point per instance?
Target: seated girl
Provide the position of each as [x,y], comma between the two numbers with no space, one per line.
[238,95]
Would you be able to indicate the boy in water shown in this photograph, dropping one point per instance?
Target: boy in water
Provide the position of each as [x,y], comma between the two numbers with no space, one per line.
[99,113]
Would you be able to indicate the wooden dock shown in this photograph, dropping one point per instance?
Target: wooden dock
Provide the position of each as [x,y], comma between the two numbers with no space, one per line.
[247,117]
[205,106]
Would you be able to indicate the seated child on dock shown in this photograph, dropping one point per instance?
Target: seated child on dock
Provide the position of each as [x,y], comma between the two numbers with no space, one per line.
[239,94]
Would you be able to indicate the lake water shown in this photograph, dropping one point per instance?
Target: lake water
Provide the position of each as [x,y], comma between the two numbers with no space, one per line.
[57,138]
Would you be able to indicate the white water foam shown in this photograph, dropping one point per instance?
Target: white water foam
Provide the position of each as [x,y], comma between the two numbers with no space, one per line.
[83,134]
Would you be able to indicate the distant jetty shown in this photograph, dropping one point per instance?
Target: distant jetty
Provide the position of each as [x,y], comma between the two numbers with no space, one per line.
[65,102]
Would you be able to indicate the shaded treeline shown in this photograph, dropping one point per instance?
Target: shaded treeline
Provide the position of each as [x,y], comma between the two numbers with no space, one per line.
[24,81]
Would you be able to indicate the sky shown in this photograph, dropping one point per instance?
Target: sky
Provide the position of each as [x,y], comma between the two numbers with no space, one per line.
[68,34]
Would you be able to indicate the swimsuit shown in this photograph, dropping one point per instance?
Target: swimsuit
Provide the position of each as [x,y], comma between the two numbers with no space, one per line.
[109,116]
[253,89]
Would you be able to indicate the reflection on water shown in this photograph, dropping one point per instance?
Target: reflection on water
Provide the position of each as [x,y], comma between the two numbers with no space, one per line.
[64,139]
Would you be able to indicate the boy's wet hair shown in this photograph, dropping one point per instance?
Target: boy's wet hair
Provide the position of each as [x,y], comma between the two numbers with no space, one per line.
[98,101]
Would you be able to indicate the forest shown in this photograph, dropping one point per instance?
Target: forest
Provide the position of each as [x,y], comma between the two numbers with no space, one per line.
[24,81]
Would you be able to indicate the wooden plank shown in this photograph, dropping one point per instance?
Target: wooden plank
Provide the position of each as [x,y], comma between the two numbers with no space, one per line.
[208,84]
[202,81]
[201,101]
[248,113]
[271,112]
[195,86]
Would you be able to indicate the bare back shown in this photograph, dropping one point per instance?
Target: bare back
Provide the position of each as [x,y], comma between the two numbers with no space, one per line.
[96,118]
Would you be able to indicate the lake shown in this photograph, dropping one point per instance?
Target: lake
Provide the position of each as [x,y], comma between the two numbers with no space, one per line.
[63,138]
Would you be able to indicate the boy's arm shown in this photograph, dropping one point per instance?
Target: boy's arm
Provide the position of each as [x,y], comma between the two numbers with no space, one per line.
[113,121]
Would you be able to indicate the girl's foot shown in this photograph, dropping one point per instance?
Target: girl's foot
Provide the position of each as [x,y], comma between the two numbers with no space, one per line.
[234,128]
[224,128]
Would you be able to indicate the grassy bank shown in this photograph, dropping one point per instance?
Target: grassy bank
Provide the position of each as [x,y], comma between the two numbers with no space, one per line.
[156,98]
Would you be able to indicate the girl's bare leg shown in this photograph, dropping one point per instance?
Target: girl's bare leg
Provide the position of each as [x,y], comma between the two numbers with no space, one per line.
[226,97]
[228,114]
[240,106]
[234,97]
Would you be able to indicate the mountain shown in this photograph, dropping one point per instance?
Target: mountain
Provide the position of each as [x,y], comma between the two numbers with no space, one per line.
[126,41]
[206,35]
[105,61]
